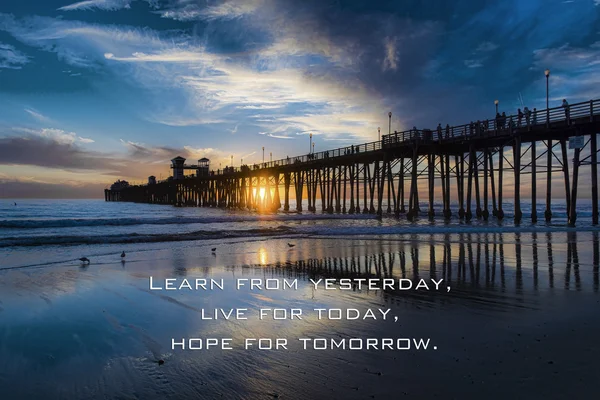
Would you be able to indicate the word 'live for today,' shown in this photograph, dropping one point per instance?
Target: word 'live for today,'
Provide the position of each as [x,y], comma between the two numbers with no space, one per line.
[292,284]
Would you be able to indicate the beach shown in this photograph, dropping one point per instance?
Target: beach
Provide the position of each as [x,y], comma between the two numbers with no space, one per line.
[520,318]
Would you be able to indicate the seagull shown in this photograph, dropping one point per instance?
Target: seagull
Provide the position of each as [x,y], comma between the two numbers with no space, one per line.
[291,245]
[123,255]
[213,249]
[84,260]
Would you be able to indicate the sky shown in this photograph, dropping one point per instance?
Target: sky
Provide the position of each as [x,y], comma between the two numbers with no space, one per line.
[99,90]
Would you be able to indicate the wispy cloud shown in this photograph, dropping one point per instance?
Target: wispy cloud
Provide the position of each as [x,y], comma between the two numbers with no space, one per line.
[107,5]
[38,116]
[391,54]
[183,10]
[11,58]
[57,135]
[280,137]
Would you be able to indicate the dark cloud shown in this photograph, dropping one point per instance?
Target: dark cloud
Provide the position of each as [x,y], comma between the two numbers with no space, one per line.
[137,163]
[435,61]
[46,152]
[24,189]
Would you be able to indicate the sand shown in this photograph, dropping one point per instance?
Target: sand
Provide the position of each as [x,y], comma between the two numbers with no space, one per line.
[520,321]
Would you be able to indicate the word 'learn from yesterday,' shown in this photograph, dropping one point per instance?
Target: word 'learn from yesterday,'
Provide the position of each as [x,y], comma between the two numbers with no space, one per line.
[292,284]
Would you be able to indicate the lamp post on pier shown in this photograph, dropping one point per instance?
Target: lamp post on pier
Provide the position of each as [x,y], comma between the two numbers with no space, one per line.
[271,156]
[232,160]
[313,148]
[263,154]
[496,103]
[310,145]
[379,134]
[390,128]
[547,73]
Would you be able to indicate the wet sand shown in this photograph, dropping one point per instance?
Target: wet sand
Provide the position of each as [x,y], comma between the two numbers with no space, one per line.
[520,321]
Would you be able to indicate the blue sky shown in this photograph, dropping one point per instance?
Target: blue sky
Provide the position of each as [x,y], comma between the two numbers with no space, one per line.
[97,90]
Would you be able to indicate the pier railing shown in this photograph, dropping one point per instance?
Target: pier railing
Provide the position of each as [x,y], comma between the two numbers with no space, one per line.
[554,116]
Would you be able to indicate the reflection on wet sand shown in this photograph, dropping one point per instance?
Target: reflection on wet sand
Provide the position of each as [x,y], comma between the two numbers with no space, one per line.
[474,262]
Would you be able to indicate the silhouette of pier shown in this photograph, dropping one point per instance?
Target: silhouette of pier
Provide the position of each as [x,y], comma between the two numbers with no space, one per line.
[467,164]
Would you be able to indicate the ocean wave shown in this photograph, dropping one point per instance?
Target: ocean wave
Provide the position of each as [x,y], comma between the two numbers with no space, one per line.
[399,231]
[70,223]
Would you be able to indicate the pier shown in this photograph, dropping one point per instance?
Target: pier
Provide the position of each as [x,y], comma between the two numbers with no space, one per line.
[468,164]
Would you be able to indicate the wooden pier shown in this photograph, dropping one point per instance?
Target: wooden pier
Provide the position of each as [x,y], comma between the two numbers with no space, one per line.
[467,164]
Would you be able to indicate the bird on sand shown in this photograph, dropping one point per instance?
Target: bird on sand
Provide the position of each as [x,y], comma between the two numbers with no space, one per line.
[213,249]
[84,260]
[291,245]
[123,255]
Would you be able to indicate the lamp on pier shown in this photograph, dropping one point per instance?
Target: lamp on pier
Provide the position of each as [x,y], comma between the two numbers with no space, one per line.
[310,145]
[496,103]
[263,154]
[271,156]
[390,128]
[547,73]
[379,134]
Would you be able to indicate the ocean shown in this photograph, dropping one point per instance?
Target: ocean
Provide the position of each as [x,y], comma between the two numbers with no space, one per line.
[515,316]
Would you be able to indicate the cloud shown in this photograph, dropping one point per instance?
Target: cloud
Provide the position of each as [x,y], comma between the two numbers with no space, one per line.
[486,47]
[107,5]
[11,58]
[184,10]
[391,57]
[20,188]
[473,63]
[49,151]
[280,137]
[575,71]
[99,4]
[38,116]
[57,135]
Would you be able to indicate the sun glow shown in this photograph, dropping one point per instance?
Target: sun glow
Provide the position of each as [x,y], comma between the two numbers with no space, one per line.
[261,193]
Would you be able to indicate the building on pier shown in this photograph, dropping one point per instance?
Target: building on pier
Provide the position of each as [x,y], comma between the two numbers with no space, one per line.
[151,180]
[203,167]
[119,185]
[177,164]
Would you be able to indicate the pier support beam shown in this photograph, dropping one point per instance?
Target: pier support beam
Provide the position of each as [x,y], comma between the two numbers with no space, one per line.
[565,160]
[500,214]
[533,183]
[431,177]
[517,170]
[594,162]
[549,153]
[572,210]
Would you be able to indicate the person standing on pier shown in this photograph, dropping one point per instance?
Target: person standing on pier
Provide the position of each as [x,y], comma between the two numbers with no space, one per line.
[527,113]
[498,120]
[447,131]
[439,131]
[567,109]
[503,122]
[519,117]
